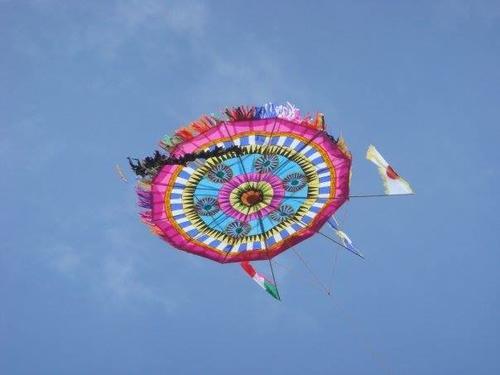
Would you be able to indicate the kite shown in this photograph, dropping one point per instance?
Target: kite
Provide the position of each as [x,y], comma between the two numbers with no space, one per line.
[246,185]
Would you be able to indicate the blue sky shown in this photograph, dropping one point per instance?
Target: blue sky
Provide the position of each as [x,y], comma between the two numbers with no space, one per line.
[85,289]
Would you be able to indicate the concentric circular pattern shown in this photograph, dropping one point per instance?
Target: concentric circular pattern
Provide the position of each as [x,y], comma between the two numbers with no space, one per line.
[238,229]
[280,187]
[233,196]
[220,173]
[282,213]
[207,206]
[252,197]
[266,163]
[294,182]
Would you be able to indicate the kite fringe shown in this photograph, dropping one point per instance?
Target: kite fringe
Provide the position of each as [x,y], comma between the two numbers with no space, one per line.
[145,200]
[144,185]
[150,166]
[285,111]
[342,145]
[147,219]
[319,121]
[201,125]
[240,113]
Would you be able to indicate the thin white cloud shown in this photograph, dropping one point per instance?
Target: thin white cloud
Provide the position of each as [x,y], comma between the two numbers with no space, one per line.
[127,20]
[235,78]
[109,27]
[115,278]
[113,267]
[121,280]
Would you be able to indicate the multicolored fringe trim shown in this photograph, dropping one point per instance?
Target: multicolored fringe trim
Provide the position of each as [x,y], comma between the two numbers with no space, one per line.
[145,201]
[147,168]
[242,113]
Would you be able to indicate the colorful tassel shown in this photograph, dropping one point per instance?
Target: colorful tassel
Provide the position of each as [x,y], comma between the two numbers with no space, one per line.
[203,124]
[288,112]
[185,134]
[240,113]
[319,121]
[169,142]
[266,111]
[283,111]
[143,199]
[342,145]
[144,185]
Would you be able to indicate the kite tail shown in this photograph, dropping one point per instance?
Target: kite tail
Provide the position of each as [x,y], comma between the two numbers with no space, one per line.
[343,237]
[265,284]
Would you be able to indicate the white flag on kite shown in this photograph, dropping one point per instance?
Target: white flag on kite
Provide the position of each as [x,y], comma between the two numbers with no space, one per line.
[394,184]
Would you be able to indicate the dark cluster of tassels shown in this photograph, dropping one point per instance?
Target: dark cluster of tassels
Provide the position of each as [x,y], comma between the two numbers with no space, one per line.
[151,165]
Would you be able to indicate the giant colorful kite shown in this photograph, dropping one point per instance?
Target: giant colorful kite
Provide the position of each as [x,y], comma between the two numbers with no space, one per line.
[249,185]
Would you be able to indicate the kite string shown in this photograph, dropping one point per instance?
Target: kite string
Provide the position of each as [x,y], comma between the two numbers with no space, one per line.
[361,335]
[315,277]
[308,278]
[378,358]
[267,253]
[343,219]
[334,268]
[303,225]
[378,195]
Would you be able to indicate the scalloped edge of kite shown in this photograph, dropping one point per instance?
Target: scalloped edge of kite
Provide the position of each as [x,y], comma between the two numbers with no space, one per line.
[287,112]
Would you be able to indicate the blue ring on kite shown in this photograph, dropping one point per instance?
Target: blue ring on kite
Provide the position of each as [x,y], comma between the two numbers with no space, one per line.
[220,173]
[207,206]
[294,182]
